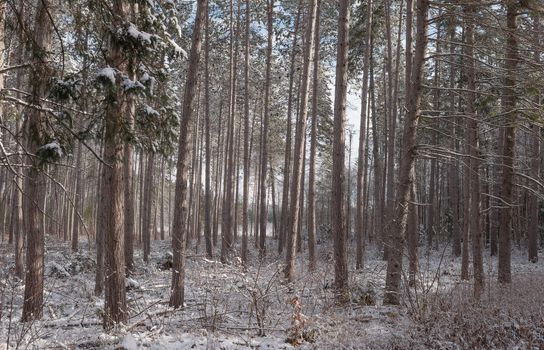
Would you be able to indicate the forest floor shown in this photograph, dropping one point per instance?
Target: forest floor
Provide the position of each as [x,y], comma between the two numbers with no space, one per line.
[227,308]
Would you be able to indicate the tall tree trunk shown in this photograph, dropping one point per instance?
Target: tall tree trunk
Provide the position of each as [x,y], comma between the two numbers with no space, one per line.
[453,172]
[313,148]
[532,205]
[474,152]
[112,184]
[412,236]
[128,178]
[508,102]
[36,180]
[408,155]
[99,234]
[184,150]
[148,206]
[300,142]
[78,197]
[245,195]
[284,225]
[361,161]
[207,173]
[338,177]
[161,201]
[264,138]
[431,232]
[227,217]
[17,202]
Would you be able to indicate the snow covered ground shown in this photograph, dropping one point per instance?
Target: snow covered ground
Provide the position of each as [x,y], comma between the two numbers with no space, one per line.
[227,308]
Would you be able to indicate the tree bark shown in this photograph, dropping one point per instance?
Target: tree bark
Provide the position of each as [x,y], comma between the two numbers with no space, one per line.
[148,206]
[361,161]
[474,153]
[508,102]
[338,177]
[207,173]
[533,203]
[300,141]
[408,156]
[36,180]
[184,150]
[284,225]
[245,186]
[264,138]
[313,149]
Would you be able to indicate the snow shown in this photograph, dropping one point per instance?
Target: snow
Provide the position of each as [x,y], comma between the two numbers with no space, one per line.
[138,35]
[107,74]
[148,110]
[177,48]
[52,148]
[220,304]
[129,85]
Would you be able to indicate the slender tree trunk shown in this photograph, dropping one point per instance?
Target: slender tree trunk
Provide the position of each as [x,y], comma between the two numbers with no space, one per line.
[408,155]
[245,195]
[36,180]
[412,236]
[508,102]
[185,135]
[361,161]
[300,142]
[227,217]
[264,138]
[17,202]
[474,153]
[284,225]
[453,172]
[313,148]
[338,177]
[533,203]
[161,201]
[78,198]
[99,234]
[148,206]
[128,178]
[207,173]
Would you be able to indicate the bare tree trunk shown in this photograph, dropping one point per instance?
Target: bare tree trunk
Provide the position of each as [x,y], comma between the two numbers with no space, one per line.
[284,225]
[474,153]
[207,174]
[129,202]
[361,161]
[412,235]
[148,206]
[338,177]
[431,232]
[227,217]
[245,195]
[161,201]
[508,102]
[532,205]
[453,172]
[36,180]
[391,116]
[408,155]
[264,138]
[184,150]
[112,185]
[99,234]
[17,202]
[300,142]
[313,148]
[78,198]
